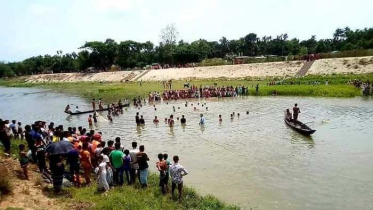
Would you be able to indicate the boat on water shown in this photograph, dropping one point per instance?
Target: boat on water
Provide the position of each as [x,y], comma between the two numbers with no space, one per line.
[299,126]
[91,111]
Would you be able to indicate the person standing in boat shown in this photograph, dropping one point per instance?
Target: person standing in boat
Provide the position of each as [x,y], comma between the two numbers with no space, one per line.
[296,112]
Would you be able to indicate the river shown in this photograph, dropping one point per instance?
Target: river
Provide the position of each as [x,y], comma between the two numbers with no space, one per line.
[254,161]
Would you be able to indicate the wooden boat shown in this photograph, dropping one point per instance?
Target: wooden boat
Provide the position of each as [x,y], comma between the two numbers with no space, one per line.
[300,127]
[91,111]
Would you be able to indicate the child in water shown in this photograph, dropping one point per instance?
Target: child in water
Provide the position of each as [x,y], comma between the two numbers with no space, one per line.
[156,120]
[220,119]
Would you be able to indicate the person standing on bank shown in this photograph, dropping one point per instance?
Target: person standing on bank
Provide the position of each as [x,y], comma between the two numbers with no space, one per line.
[177,172]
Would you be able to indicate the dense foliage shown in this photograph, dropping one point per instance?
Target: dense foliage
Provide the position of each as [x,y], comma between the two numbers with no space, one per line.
[131,54]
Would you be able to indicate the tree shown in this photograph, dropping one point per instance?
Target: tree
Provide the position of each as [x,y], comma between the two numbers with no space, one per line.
[168,38]
[250,42]
[5,70]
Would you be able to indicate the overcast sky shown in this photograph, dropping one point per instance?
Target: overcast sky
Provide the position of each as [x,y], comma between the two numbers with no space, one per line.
[34,27]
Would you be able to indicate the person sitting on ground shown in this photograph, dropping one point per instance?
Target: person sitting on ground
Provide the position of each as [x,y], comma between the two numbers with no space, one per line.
[155,120]
[177,172]
[183,120]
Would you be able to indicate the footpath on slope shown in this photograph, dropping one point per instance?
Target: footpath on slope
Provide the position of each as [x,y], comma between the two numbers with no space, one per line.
[303,71]
[25,194]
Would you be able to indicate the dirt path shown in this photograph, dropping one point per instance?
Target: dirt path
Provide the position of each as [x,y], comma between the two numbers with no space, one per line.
[25,194]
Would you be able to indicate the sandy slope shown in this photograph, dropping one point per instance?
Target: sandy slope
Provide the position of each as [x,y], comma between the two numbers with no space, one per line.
[120,76]
[358,65]
[232,71]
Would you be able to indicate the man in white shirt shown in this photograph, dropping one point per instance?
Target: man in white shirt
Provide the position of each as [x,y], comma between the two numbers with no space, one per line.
[134,164]
[177,172]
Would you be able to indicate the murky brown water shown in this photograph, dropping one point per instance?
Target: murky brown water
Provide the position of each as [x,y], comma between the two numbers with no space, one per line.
[254,161]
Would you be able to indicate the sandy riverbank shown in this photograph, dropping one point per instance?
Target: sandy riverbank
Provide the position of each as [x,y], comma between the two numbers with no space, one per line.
[358,65]
[120,76]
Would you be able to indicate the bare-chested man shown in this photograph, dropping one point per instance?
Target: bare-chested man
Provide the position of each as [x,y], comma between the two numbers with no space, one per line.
[296,111]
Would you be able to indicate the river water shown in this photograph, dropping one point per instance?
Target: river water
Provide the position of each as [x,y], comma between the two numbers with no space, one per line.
[254,161]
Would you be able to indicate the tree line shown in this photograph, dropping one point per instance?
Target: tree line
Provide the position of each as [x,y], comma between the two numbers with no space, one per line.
[131,54]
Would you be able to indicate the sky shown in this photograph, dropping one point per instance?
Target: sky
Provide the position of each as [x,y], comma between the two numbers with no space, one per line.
[38,27]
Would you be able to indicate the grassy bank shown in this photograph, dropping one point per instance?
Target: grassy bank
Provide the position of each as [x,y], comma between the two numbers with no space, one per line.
[127,197]
[113,91]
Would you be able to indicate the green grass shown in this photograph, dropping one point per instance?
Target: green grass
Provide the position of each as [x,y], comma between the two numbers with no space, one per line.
[128,197]
[112,92]
[133,197]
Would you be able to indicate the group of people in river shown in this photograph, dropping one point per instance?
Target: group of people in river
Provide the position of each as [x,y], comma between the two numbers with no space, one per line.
[87,154]
[366,87]
[205,92]
[154,96]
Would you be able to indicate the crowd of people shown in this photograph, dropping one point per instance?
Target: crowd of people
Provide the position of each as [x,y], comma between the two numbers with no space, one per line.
[154,96]
[206,92]
[367,87]
[85,152]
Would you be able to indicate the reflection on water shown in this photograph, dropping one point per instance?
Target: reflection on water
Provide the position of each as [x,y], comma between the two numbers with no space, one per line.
[255,160]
